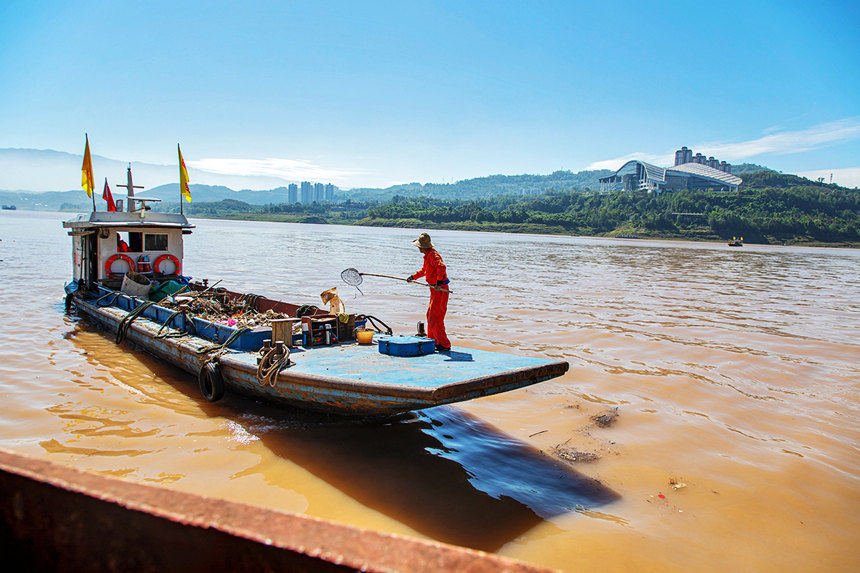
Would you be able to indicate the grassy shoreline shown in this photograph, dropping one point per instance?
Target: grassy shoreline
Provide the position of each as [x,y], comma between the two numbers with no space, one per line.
[701,235]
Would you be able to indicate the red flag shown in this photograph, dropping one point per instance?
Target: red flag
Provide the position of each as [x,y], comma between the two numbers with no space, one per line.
[108,197]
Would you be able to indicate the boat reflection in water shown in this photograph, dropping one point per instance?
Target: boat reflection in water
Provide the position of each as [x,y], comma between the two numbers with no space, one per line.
[443,472]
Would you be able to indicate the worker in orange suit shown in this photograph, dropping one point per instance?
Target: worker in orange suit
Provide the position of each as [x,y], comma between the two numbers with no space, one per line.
[436,275]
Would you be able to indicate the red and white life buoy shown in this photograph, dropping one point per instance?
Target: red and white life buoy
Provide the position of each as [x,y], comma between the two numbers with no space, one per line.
[117,257]
[156,266]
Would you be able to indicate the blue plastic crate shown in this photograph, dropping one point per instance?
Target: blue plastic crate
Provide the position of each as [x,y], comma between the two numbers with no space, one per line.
[406,345]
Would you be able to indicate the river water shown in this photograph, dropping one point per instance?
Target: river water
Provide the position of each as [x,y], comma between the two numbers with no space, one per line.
[709,419]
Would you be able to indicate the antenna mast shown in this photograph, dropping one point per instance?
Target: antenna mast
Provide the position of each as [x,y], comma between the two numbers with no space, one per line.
[130,187]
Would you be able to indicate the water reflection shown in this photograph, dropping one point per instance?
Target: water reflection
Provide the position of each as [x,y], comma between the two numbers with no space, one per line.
[442,472]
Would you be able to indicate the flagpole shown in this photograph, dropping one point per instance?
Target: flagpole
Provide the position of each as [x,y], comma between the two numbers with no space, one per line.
[93,195]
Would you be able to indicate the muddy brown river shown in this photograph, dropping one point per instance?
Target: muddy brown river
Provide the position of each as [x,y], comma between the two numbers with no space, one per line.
[709,420]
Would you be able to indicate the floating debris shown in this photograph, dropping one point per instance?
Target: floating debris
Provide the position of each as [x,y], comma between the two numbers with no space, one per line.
[576,456]
[676,484]
[607,419]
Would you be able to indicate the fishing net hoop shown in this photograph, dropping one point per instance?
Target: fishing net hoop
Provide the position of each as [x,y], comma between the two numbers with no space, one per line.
[351,277]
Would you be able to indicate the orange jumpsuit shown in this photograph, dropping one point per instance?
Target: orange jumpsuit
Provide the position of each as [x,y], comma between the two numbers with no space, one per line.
[435,273]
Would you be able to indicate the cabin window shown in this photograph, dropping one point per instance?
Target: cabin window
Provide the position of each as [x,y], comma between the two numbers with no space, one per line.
[155,242]
[122,243]
[135,242]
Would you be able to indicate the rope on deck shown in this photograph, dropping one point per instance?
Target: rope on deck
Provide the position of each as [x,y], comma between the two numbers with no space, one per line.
[125,323]
[223,346]
[116,294]
[177,333]
[271,363]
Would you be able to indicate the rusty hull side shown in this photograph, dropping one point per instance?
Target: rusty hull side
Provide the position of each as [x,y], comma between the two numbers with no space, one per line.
[179,352]
[308,392]
[56,518]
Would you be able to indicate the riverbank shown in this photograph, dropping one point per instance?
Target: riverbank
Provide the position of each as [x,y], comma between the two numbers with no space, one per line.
[698,235]
[770,209]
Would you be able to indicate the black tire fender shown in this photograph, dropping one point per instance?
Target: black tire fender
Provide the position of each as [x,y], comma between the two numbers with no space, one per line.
[210,382]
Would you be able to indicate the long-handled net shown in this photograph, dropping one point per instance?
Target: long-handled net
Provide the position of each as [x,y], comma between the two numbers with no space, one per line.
[354,278]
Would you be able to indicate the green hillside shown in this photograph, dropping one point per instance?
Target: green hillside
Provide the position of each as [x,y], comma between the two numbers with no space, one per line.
[483,187]
[769,208]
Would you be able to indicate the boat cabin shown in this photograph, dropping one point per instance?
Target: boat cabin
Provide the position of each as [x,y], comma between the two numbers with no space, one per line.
[107,244]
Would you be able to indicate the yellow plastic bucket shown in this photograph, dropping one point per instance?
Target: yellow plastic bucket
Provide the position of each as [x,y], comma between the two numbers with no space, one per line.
[364,336]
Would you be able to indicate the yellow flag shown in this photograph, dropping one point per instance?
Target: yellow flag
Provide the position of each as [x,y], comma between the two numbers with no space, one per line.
[87,179]
[183,177]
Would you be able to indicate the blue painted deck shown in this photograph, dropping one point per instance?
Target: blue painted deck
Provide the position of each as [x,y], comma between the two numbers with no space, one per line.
[364,364]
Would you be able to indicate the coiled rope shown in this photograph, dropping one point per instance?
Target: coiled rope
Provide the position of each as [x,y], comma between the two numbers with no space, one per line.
[217,350]
[249,300]
[271,363]
[306,309]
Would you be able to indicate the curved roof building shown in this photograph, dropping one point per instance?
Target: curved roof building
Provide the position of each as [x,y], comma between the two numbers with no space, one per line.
[638,175]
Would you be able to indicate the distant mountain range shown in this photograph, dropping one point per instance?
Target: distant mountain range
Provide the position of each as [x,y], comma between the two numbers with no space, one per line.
[60,171]
[77,200]
[17,165]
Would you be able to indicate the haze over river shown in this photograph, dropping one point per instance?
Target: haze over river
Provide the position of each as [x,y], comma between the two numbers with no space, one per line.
[734,374]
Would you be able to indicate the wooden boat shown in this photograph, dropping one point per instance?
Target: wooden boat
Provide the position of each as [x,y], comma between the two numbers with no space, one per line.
[336,375]
[735,242]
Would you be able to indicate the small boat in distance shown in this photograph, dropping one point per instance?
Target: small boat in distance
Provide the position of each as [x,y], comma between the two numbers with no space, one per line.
[127,277]
[735,242]
[9,207]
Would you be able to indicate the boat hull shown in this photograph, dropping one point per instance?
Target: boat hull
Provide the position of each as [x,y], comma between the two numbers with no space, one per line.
[344,379]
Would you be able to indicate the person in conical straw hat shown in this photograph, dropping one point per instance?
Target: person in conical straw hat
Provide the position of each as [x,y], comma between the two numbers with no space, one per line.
[436,275]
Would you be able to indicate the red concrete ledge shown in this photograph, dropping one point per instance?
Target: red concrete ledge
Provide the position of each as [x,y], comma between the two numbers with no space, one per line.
[62,519]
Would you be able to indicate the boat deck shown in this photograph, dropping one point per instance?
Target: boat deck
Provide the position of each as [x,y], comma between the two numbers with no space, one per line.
[359,380]
[346,378]
[355,363]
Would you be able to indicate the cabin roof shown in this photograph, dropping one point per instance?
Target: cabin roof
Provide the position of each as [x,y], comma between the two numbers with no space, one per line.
[124,219]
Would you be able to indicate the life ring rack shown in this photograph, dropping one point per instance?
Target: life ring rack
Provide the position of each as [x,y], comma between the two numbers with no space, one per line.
[118,257]
[172,259]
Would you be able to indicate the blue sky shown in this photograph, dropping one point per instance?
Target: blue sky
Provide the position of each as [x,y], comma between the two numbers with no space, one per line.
[378,93]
